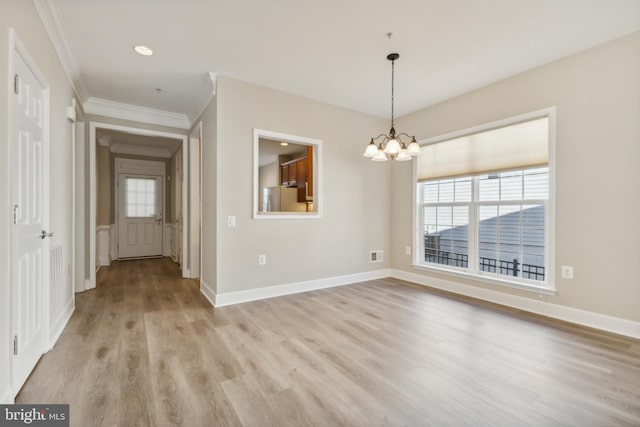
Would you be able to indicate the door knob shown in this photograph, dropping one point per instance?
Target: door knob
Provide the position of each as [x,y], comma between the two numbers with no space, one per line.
[45,234]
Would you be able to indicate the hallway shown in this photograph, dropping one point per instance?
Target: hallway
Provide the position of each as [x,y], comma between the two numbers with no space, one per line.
[146,348]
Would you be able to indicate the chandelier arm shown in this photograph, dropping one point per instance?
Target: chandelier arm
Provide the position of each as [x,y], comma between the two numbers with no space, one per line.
[379,136]
[404,134]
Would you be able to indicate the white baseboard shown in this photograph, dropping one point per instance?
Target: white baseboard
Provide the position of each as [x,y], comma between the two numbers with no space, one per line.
[169,237]
[5,397]
[60,324]
[208,293]
[603,322]
[113,243]
[238,297]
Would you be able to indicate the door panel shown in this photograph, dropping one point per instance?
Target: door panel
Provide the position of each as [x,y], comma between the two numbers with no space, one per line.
[29,263]
[140,220]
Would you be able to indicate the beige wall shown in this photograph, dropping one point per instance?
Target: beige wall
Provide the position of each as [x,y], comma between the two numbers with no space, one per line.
[21,16]
[209,225]
[356,192]
[106,185]
[103,186]
[597,95]
[172,171]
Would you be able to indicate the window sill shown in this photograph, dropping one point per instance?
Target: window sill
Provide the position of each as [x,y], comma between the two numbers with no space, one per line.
[487,279]
[286,215]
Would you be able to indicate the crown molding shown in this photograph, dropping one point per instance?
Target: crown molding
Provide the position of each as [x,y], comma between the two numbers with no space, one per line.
[207,93]
[54,26]
[138,150]
[133,149]
[118,110]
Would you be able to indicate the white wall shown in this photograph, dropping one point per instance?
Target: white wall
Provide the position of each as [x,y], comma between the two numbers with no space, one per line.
[21,16]
[597,94]
[356,192]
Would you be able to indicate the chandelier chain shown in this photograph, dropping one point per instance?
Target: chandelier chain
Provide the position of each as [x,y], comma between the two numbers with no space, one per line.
[392,146]
[392,88]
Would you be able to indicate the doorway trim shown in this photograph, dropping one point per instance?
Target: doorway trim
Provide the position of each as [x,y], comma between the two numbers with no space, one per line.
[93,127]
[195,201]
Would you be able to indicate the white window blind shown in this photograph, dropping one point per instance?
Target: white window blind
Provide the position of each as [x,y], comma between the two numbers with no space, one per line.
[516,146]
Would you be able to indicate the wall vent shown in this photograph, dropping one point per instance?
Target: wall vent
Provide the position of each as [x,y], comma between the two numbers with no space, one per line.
[375,256]
[57,276]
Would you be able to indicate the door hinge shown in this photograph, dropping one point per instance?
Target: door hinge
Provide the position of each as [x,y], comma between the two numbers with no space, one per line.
[15,345]
[15,214]
[16,83]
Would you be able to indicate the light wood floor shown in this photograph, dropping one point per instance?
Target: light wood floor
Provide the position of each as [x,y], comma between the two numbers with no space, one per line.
[145,348]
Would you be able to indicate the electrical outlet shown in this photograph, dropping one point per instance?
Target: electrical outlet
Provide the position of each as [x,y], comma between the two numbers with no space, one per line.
[262,259]
[567,272]
[231,221]
[407,250]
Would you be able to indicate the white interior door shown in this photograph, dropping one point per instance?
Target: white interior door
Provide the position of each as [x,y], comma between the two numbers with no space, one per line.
[29,242]
[140,221]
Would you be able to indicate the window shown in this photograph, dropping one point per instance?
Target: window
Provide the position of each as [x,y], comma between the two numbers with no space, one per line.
[490,223]
[141,197]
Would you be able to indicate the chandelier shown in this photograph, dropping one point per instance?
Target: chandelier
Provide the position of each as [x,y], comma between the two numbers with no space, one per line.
[392,146]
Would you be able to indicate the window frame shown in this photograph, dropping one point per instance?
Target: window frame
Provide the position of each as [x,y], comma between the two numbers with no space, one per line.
[546,287]
[318,175]
[156,196]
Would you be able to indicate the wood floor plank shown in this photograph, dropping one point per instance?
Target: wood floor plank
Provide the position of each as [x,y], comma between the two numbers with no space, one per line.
[145,348]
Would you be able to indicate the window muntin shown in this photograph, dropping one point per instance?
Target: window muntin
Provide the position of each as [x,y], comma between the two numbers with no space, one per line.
[446,209]
[140,197]
[493,224]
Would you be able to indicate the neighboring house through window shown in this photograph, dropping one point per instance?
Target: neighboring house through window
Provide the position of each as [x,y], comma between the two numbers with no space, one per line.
[485,202]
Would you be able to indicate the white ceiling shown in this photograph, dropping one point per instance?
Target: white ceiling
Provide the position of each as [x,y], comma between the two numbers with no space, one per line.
[332,50]
[270,150]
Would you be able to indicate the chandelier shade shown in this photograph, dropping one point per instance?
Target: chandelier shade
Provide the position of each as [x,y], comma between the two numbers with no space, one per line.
[392,146]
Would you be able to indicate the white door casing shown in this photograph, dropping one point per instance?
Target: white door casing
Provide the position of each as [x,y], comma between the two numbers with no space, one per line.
[92,189]
[195,200]
[180,184]
[29,177]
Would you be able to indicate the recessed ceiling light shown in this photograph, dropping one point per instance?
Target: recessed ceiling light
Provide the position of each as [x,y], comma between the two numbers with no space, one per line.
[284,144]
[143,50]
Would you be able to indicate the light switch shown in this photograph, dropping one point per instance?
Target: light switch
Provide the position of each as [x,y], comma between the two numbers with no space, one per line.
[567,272]
[231,221]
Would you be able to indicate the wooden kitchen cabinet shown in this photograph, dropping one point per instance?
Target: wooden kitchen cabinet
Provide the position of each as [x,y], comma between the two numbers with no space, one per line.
[293,174]
[310,171]
[298,173]
[301,179]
